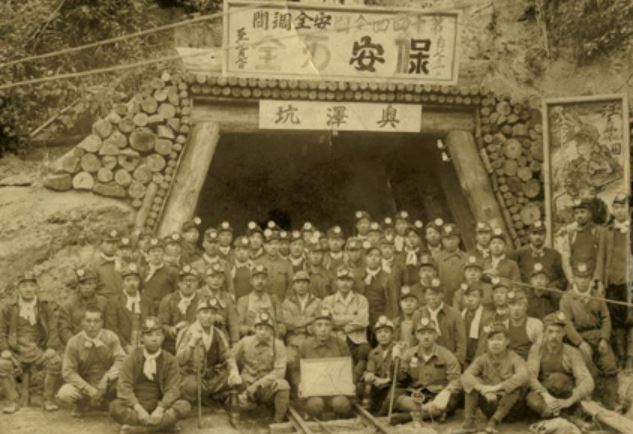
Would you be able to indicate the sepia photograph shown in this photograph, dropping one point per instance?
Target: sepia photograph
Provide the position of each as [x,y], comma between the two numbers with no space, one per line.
[316,216]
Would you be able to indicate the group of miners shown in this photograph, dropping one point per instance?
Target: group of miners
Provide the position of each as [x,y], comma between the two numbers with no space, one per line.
[156,326]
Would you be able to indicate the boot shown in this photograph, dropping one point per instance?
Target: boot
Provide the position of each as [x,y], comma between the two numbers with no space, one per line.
[471,403]
[416,416]
[11,394]
[282,400]
[366,403]
[234,413]
[609,395]
[50,385]
[491,426]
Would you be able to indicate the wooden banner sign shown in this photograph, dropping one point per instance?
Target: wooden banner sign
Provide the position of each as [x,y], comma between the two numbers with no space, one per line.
[340,116]
[329,376]
[311,42]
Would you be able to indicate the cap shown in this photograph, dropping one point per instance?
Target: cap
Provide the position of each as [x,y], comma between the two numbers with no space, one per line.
[150,324]
[301,275]
[335,232]
[473,261]
[130,270]
[620,198]
[498,233]
[353,244]
[263,318]
[387,222]
[85,274]
[405,292]
[483,227]
[537,269]
[187,270]
[154,243]
[516,296]
[271,234]
[241,242]
[582,269]
[259,269]
[538,227]
[283,236]
[436,225]
[402,215]
[427,260]
[468,288]
[225,227]
[125,242]
[555,318]
[450,230]
[211,235]
[435,286]
[386,240]
[383,322]
[498,283]
[368,246]
[112,235]
[375,227]
[494,328]
[208,303]
[344,273]
[307,227]
[27,276]
[192,224]
[362,215]
[417,227]
[252,228]
[426,324]
[582,204]
[314,247]
[173,239]
[324,313]
[214,269]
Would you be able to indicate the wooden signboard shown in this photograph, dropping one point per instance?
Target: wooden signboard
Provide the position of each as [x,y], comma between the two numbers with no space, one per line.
[330,376]
[310,42]
[586,153]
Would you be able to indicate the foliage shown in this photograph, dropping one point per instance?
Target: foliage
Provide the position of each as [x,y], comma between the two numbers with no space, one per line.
[31,27]
[591,27]
[203,6]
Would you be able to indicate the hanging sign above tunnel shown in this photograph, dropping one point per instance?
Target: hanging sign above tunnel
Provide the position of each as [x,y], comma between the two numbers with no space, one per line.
[339,116]
[309,42]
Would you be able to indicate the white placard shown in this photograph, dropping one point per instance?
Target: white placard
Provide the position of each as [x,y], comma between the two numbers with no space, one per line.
[339,116]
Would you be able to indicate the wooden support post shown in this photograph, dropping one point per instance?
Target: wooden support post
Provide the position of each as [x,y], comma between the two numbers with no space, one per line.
[192,172]
[473,178]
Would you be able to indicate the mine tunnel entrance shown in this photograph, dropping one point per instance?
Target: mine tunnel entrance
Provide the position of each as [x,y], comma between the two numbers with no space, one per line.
[324,178]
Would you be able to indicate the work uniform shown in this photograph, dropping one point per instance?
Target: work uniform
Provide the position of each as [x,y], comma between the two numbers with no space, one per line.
[90,364]
[240,274]
[508,370]
[450,268]
[451,332]
[351,319]
[320,281]
[503,268]
[263,365]
[279,275]
[109,280]
[211,360]
[381,293]
[298,313]
[27,330]
[249,306]
[522,336]
[173,310]
[71,314]
[162,388]
[552,262]
[474,323]
[380,363]
[227,318]
[332,261]
[157,284]
[589,321]
[123,316]
[560,373]
[206,263]
[586,245]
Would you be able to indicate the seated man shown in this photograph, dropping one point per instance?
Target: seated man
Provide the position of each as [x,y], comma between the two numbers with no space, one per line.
[432,374]
[71,314]
[261,359]
[299,311]
[125,311]
[203,353]
[379,375]
[451,330]
[148,392]
[559,377]
[494,382]
[351,318]
[91,364]
[178,309]
[324,343]
[28,337]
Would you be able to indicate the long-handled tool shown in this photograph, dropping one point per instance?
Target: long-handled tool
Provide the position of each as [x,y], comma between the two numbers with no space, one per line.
[392,392]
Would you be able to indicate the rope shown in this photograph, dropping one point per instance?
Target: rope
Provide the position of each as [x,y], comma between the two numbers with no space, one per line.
[166,58]
[562,292]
